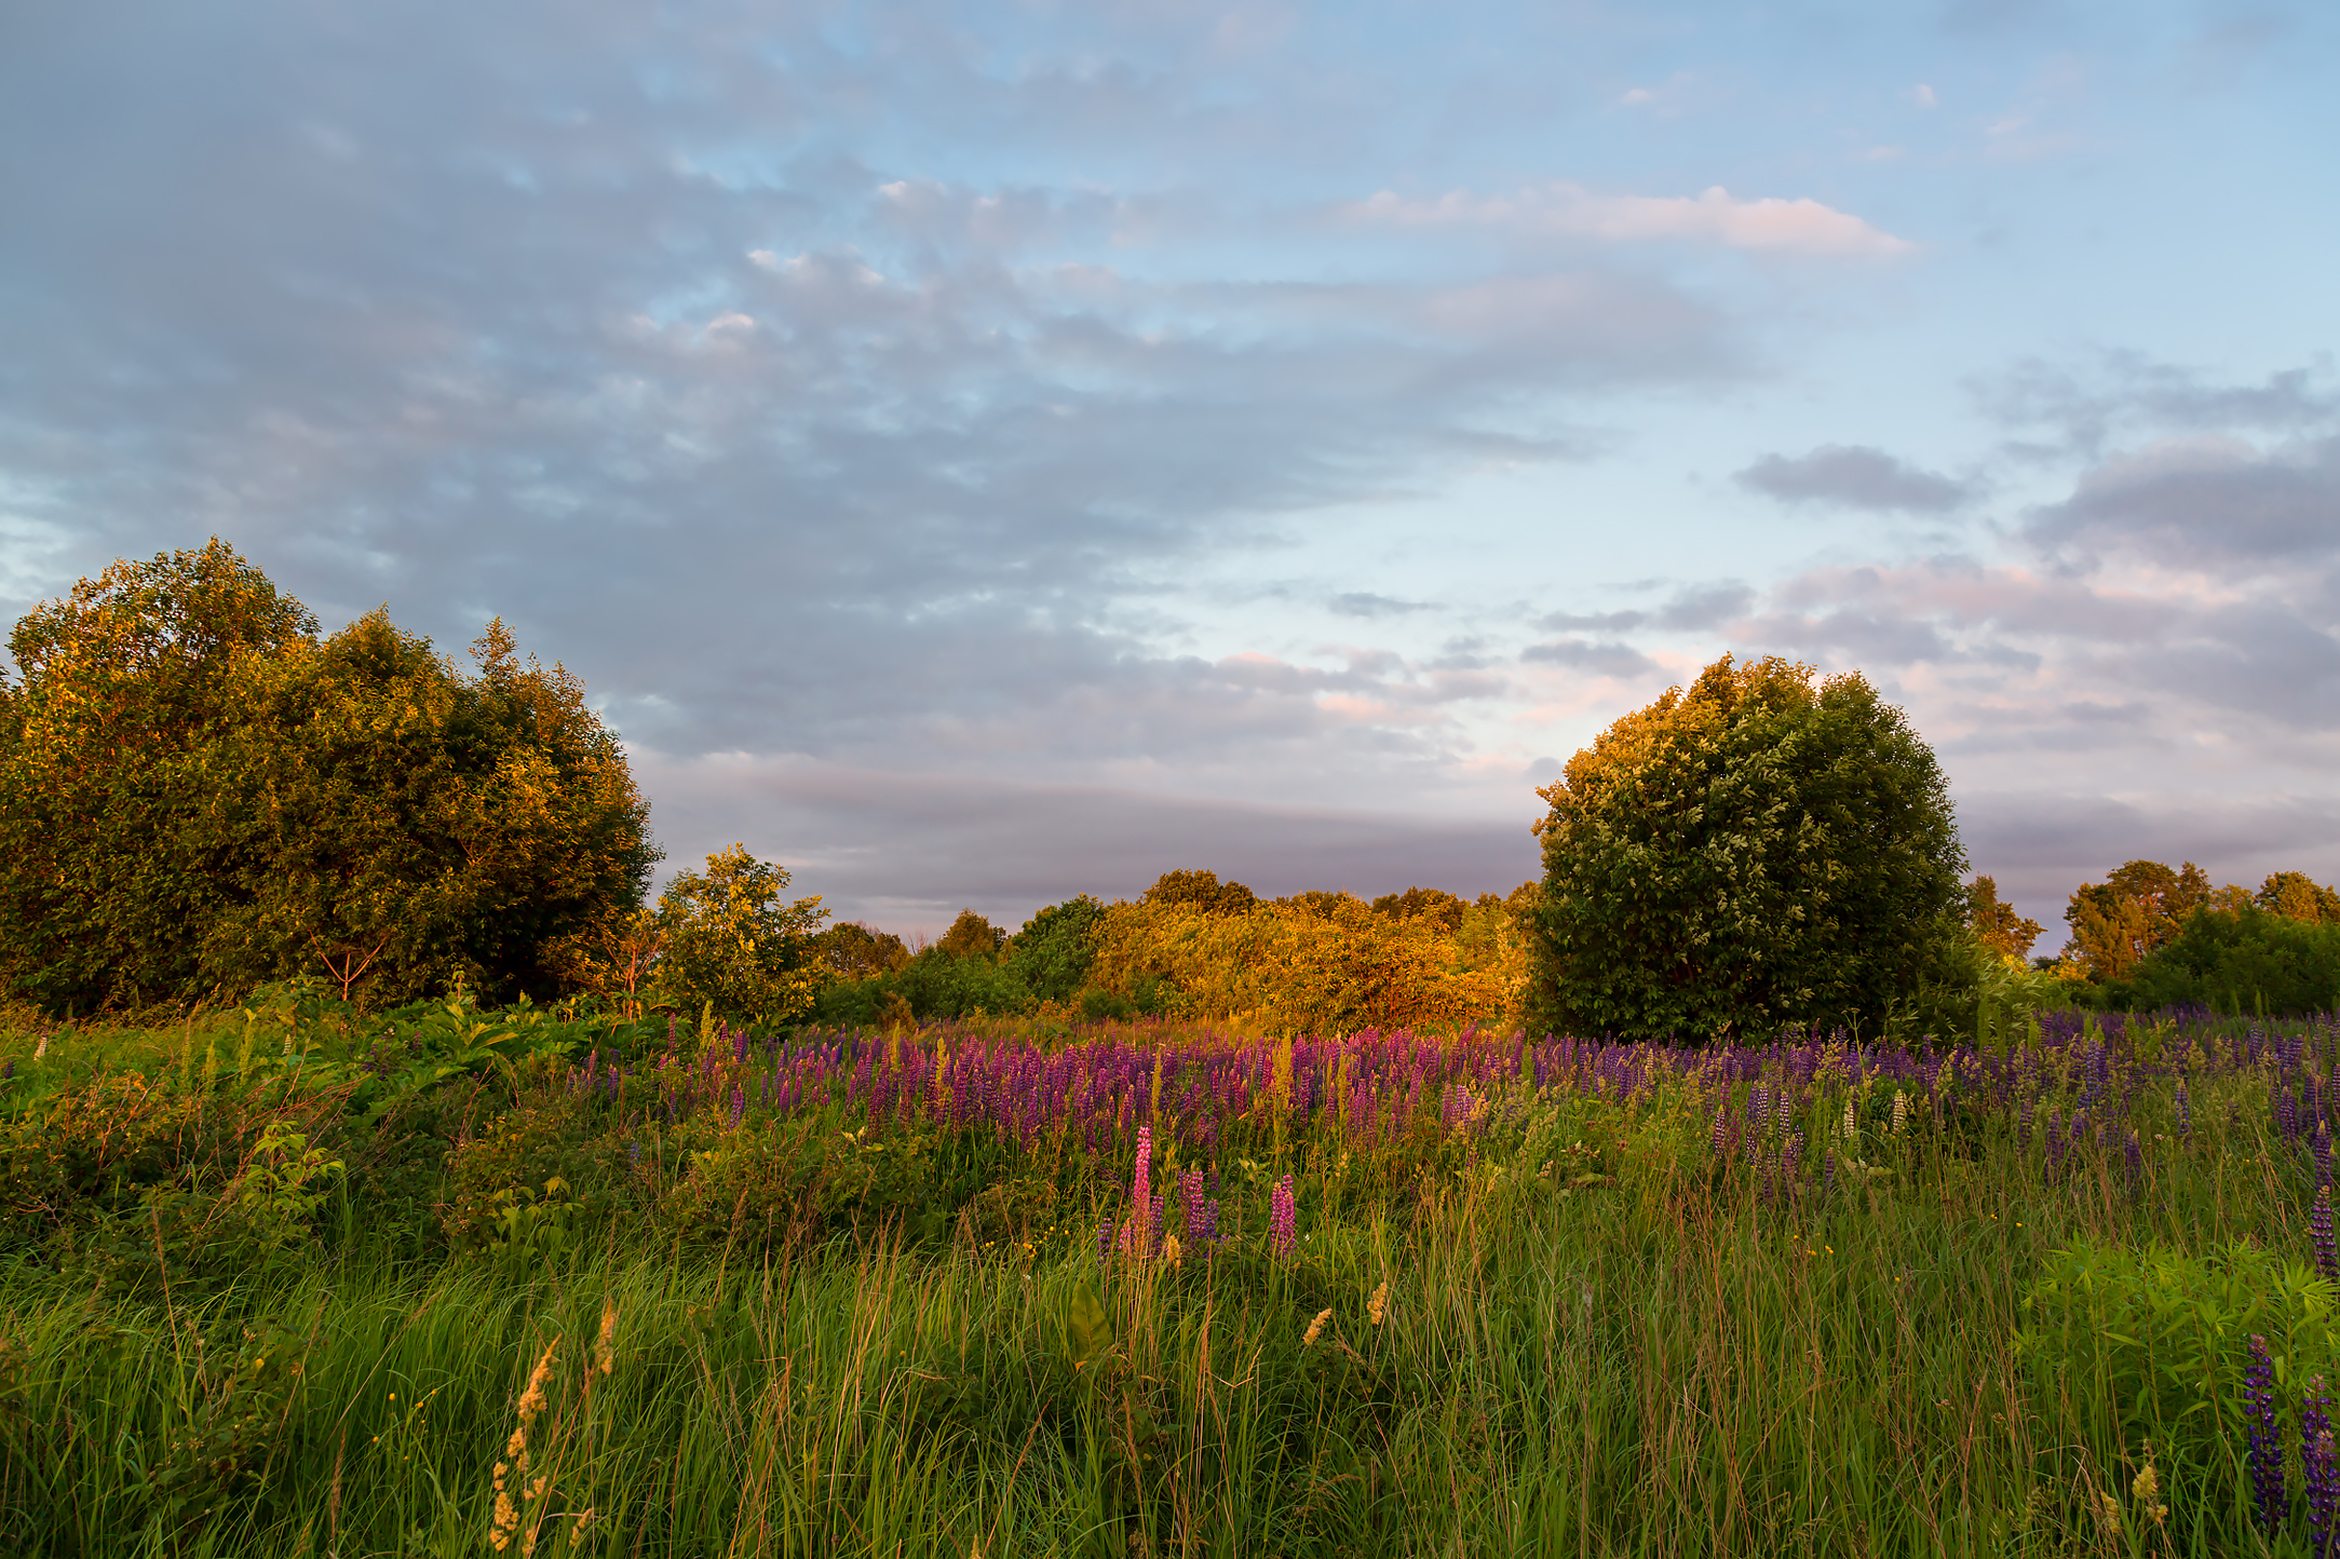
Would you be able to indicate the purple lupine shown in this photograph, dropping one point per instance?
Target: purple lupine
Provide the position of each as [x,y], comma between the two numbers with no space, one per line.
[1190,1191]
[738,1105]
[1720,1135]
[2185,1111]
[1104,1241]
[2320,1233]
[2266,1454]
[2320,1461]
[1282,1218]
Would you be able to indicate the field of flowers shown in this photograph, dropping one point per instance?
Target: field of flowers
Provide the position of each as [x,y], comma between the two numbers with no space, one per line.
[450,1281]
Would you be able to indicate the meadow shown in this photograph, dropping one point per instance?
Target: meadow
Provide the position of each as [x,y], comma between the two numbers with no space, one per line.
[296,1280]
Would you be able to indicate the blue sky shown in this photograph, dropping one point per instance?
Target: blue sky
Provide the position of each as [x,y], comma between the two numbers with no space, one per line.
[980,454]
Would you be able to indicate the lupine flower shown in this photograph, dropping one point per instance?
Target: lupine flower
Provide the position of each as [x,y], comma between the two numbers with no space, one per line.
[1900,1112]
[2320,1232]
[2185,1111]
[2266,1455]
[738,1105]
[1282,1219]
[2321,1463]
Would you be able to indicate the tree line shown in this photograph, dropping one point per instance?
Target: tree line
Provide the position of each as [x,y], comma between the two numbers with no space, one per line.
[200,792]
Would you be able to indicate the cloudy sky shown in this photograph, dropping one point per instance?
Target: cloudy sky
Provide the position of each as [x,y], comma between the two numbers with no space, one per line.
[977,454]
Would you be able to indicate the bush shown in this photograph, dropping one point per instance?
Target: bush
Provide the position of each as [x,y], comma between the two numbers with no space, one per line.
[1752,851]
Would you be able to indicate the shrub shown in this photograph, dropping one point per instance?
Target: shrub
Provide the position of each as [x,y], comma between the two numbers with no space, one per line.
[2239,960]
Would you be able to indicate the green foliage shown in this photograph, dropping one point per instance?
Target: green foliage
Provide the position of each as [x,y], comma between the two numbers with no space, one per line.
[1051,955]
[1746,853]
[733,946]
[197,795]
[939,985]
[2150,1344]
[2244,959]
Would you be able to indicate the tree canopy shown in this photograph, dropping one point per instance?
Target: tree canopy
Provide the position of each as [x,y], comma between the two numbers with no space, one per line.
[197,793]
[1750,851]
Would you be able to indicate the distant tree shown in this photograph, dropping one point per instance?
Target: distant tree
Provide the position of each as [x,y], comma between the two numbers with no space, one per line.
[2297,896]
[197,794]
[1323,903]
[1053,951]
[1995,924]
[850,950]
[735,945]
[1749,851]
[972,936]
[2138,907]
[1200,890]
[1426,903]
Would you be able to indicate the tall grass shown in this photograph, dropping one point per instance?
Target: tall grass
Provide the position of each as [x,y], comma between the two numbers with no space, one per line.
[1600,1336]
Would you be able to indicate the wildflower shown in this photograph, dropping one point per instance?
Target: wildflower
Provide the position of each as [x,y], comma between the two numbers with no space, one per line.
[1171,1250]
[1378,1305]
[2320,1233]
[1900,1112]
[603,1352]
[2146,1490]
[1281,1217]
[1852,1125]
[1316,1328]
[2320,1462]
[2266,1456]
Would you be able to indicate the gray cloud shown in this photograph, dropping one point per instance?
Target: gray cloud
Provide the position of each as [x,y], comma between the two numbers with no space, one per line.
[1853,476]
[1007,849]
[1609,658]
[2218,505]
[1360,603]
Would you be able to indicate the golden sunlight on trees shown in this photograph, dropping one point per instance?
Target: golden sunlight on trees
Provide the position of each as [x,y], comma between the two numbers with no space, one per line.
[1996,924]
[732,946]
[1748,852]
[2118,923]
[198,794]
[1316,963]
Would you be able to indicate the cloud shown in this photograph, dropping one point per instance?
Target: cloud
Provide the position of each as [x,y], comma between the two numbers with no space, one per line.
[1363,603]
[1610,658]
[1853,476]
[2219,504]
[1768,225]
[1008,848]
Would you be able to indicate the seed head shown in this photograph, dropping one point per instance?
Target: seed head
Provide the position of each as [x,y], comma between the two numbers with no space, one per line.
[1378,1305]
[1316,1328]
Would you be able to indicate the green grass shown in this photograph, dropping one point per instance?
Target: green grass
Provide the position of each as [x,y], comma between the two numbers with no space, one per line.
[1648,1357]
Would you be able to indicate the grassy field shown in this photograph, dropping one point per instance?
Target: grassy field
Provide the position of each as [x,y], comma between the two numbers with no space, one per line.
[297,1281]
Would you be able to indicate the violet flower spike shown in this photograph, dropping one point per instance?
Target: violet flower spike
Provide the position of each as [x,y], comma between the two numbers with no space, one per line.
[2266,1453]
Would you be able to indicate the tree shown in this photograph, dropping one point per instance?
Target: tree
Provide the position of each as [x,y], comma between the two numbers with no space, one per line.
[1445,908]
[972,936]
[196,793]
[1053,951]
[733,946]
[1201,890]
[1748,852]
[2297,896]
[1996,924]
[2138,907]
[102,771]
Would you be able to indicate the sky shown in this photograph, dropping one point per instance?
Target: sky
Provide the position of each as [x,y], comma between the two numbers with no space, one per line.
[978,454]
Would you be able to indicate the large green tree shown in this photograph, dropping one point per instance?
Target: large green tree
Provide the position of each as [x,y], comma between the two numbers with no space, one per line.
[198,793]
[1754,850]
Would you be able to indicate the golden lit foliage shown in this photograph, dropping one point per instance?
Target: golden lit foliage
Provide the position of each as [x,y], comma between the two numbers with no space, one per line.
[1322,963]
[2138,907]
